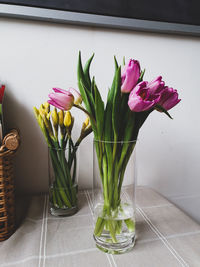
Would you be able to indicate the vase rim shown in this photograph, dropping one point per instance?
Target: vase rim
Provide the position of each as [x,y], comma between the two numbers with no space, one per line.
[66,148]
[112,141]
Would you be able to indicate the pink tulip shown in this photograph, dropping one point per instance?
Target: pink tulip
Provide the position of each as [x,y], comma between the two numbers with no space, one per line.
[130,75]
[140,99]
[61,99]
[169,98]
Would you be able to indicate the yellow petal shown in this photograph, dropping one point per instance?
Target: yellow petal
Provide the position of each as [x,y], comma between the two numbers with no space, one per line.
[46,107]
[87,120]
[61,117]
[54,116]
[67,119]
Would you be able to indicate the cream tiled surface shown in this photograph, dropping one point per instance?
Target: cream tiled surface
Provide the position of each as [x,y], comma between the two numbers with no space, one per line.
[147,254]
[188,247]
[88,258]
[165,236]
[145,197]
[171,221]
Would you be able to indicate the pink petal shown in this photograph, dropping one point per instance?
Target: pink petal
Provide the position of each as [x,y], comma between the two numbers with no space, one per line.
[59,90]
[51,102]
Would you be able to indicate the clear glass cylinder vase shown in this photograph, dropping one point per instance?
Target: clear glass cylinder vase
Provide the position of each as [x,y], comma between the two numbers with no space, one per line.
[63,182]
[113,194]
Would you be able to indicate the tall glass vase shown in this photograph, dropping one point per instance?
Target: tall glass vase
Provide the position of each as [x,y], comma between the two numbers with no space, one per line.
[114,175]
[63,187]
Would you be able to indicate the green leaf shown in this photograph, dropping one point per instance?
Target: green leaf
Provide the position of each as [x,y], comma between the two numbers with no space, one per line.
[116,64]
[84,88]
[81,74]
[123,114]
[160,108]
[89,107]
[116,103]
[99,112]
[108,132]
[87,70]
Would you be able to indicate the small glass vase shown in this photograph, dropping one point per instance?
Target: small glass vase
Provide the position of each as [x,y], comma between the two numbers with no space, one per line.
[113,194]
[63,187]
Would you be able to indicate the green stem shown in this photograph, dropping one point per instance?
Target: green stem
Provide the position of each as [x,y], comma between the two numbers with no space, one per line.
[59,176]
[89,115]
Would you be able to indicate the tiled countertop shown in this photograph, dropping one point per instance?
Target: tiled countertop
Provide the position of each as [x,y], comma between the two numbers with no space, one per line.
[165,237]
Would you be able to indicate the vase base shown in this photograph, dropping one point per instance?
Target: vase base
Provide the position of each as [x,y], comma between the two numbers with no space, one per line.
[63,212]
[115,248]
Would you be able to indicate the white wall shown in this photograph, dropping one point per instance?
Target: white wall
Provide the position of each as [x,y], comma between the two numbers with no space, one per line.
[36,56]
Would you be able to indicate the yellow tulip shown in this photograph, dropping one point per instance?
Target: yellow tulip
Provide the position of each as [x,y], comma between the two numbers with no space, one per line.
[67,119]
[61,118]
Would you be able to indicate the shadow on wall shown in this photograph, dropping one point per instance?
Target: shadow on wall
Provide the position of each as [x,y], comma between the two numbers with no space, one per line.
[31,161]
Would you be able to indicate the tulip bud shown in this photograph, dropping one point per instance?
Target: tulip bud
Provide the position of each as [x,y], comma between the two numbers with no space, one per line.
[55,117]
[48,126]
[130,76]
[42,111]
[85,125]
[61,117]
[41,107]
[61,99]
[67,119]
[46,107]
[61,123]
[43,129]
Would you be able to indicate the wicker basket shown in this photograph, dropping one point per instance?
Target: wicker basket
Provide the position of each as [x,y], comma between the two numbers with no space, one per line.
[7,197]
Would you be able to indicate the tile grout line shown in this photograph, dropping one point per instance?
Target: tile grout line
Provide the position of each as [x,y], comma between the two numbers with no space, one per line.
[42,230]
[45,231]
[109,256]
[162,238]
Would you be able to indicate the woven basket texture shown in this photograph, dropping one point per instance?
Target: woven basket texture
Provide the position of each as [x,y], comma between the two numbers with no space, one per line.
[7,194]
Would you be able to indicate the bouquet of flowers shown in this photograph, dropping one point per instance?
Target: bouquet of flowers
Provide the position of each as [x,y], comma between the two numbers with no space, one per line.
[56,127]
[116,123]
